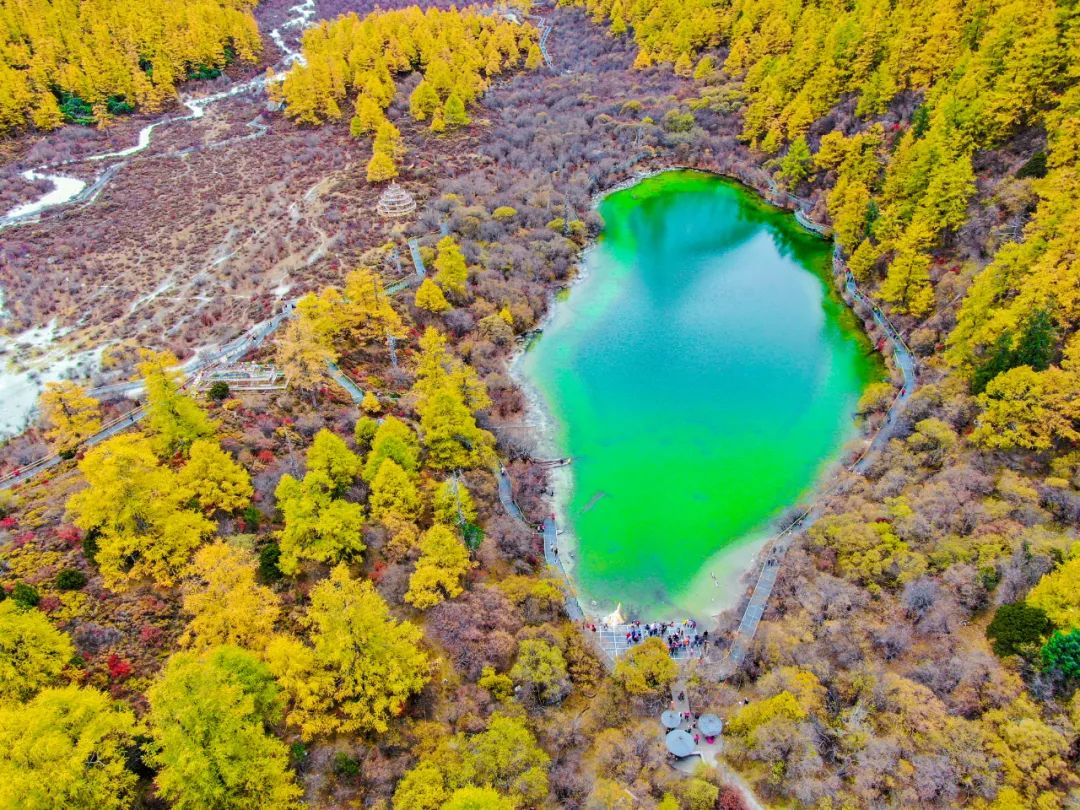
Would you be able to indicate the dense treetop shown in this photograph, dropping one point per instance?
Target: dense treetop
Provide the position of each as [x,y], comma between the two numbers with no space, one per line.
[82,61]
[458,53]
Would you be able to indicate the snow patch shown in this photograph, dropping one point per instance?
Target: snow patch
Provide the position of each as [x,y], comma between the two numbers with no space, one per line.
[32,359]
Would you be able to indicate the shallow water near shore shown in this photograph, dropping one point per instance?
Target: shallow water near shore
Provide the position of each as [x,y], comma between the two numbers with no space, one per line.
[702,376]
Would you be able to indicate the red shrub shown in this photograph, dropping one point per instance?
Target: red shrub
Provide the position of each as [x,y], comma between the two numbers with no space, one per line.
[730,800]
[69,534]
[118,667]
[150,635]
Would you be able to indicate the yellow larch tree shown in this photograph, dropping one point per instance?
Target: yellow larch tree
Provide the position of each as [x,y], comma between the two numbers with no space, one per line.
[330,458]
[444,562]
[429,297]
[451,272]
[303,352]
[225,602]
[393,493]
[359,667]
[367,312]
[210,718]
[33,653]
[67,748]
[135,507]
[70,414]
[213,479]
[395,440]
[318,526]
[173,419]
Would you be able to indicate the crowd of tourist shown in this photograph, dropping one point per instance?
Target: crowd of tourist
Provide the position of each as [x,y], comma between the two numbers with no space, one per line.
[679,636]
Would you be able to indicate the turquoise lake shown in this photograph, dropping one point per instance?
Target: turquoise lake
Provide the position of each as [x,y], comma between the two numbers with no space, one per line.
[702,375]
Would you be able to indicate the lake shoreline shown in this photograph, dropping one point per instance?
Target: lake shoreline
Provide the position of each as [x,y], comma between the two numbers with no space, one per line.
[750,547]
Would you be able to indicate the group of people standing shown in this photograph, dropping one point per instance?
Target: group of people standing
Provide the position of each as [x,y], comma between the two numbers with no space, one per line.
[679,636]
[682,635]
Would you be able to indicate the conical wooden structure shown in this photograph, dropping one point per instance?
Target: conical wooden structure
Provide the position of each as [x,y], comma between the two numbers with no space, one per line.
[395,202]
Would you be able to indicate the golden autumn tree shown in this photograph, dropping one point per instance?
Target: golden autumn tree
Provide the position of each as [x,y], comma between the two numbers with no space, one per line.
[71,415]
[451,272]
[1058,594]
[135,507]
[68,747]
[359,667]
[224,601]
[448,392]
[33,653]
[452,504]
[423,101]
[646,668]
[213,479]
[444,562]
[370,403]
[504,755]
[367,312]
[101,59]
[395,440]
[393,493]
[451,434]
[381,167]
[331,459]
[318,526]
[173,419]
[478,798]
[429,297]
[209,721]
[303,352]
[1028,409]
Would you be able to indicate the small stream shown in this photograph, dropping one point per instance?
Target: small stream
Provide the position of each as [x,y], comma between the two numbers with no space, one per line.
[67,190]
[36,356]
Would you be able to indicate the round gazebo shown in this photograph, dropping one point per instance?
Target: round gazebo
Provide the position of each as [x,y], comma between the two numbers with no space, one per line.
[395,202]
[671,719]
[679,743]
[710,725]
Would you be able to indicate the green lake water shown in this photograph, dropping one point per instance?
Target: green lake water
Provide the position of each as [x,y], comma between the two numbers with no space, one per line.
[702,376]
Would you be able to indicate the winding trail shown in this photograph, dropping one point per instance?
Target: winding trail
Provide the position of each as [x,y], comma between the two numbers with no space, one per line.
[550,533]
[231,352]
[418,260]
[69,190]
[351,388]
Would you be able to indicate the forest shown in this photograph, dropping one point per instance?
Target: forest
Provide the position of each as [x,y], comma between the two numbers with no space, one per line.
[83,62]
[292,599]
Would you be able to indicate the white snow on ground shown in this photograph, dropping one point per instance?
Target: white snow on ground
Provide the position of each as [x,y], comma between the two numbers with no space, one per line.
[21,383]
[64,189]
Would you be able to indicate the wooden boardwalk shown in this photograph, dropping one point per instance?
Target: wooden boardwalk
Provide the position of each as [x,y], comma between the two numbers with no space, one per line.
[770,567]
[418,260]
